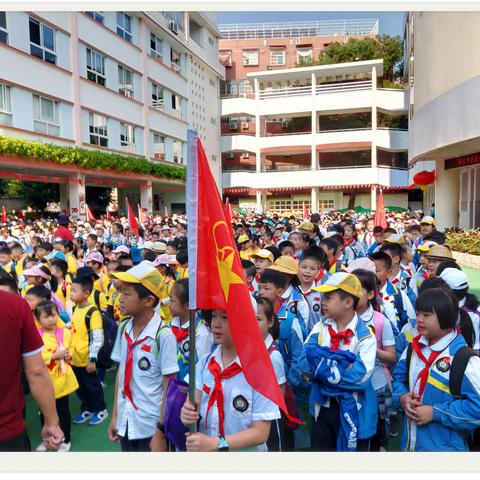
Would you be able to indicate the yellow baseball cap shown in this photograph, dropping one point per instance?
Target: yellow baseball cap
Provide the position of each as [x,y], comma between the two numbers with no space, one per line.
[341,281]
[427,220]
[395,238]
[145,274]
[308,226]
[285,264]
[426,246]
[264,253]
[243,239]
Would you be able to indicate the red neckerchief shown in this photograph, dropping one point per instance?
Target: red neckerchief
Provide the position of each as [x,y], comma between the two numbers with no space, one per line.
[217,393]
[348,242]
[336,337]
[423,375]
[320,275]
[280,303]
[128,366]
[180,333]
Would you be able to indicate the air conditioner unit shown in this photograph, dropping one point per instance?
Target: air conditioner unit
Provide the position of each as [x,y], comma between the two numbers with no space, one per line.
[126,89]
[244,125]
[158,104]
[233,125]
[245,155]
[173,26]
[230,155]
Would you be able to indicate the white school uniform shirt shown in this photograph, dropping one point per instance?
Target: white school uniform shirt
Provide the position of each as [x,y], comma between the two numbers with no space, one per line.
[302,305]
[407,304]
[475,317]
[366,349]
[314,300]
[277,361]
[380,377]
[242,404]
[146,383]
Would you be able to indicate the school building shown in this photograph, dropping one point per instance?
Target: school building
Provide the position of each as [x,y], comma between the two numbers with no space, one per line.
[296,134]
[443,112]
[128,83]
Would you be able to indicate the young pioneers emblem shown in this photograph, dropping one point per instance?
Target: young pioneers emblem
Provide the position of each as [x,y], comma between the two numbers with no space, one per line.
[144,364]
[240,403]
[186,346]
[443,364]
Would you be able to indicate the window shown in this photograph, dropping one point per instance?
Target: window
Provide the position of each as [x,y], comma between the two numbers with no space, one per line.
[127,137]
[125,81]
[98,129]
[178,151]
[176,103]
[5,105]
[157,96]
[42,41]
[95,67]
[211,41]
[98,16]
[45,116]
[177,17]
[304,55]
[175,60]
[3,28]
[250,57]
[158,147]
[277,56]
[124,26]
[156,46]
[326,205]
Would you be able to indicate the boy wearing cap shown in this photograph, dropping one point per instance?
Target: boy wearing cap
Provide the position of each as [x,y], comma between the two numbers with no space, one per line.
[422,271]
[340,355]
[87,339]
[243,243]
[262,260]
[146,352]
[96,261]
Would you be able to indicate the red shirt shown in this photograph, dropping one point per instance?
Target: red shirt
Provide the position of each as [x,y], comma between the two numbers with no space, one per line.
[64,233]
[18,336]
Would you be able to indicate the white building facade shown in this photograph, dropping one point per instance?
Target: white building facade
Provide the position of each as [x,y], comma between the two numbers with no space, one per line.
[119,82]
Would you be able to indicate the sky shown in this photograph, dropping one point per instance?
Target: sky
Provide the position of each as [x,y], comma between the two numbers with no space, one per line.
[391,23]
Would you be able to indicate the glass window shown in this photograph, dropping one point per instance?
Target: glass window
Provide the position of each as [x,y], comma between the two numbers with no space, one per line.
[304,55]
[175,59]
[3,28]
[178,151]
[156,46]
[277,57]
[127,136]
[178,17]
[96,67]
[98,129]
[98,16]
[158,147]
[42,41]
[45,115]
[157,96]
[125,81]
[176,103]
[124,26]
[5,105]
[250,57]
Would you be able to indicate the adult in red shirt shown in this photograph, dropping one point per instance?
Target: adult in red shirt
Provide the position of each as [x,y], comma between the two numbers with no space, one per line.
[21,346]
[63,231]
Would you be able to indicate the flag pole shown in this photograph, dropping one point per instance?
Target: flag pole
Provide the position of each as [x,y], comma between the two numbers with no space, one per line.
[191,364]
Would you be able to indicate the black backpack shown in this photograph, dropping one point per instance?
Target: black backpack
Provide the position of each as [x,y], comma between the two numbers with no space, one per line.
[109,335]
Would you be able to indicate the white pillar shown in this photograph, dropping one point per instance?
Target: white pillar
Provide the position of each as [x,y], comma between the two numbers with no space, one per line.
[259,200]
[264,201]
[75,78]
[145,96]
[64,197]
[446,196]
[314,124]
[374,117]
[373,198]
[258,155]
[76,196]
[314,200]
[146,196]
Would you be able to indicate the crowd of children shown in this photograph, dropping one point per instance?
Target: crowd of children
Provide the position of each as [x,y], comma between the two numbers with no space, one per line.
[365,327]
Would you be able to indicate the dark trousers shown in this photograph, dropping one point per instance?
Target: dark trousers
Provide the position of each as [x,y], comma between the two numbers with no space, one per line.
[381,437]
[90,391]
[138,445]
[325,430]
[63,411]
[276,442]
[20,443]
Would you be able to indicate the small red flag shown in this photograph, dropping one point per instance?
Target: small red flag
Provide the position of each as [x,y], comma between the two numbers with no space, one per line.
[132,221]
[379,219]
[90,215]
[305,211]
[4,215]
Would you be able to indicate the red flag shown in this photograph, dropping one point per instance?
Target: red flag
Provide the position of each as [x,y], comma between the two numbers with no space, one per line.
[217,280]
[142,216]
[4,215]
[305,212]
[166,211]
[132,221]
[90,215]
[228,216]
[379,219]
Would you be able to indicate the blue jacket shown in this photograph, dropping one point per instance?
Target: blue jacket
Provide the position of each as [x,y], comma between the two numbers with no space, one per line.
[451,418]
[355,380]
[408,333]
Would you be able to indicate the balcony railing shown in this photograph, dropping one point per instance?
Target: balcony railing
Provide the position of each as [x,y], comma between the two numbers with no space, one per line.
[322,88]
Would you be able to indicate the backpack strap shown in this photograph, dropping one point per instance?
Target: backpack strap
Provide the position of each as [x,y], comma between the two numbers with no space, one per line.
[457,370]
[96,296]
[88,317]
[408,360]
[157,338]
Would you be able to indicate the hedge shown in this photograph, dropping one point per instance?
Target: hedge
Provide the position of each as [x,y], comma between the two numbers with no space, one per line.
[90,159]
[464,241]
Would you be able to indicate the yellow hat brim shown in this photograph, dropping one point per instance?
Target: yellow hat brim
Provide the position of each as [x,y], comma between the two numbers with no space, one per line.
[331,288]
[124,277]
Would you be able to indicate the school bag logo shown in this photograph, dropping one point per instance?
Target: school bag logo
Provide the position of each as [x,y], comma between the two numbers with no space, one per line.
[443,364]
[240,403]
[186,346]
[144,364]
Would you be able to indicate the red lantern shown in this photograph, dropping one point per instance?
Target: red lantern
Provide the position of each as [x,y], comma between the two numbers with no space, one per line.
[424,178]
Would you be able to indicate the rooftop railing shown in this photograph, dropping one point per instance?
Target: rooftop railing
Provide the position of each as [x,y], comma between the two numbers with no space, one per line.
[363,26]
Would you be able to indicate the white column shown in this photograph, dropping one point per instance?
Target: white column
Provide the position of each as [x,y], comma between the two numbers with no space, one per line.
[77,109]
[314,124]
[374,117]
[373,198]
[314,200]
[259,200]
[64,197]
[146,196]
[258,156]
[446,196]
[145,97]
[76,196]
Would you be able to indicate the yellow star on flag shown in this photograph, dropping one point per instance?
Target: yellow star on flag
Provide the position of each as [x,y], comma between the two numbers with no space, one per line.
[227,275]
